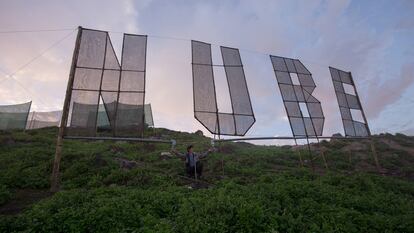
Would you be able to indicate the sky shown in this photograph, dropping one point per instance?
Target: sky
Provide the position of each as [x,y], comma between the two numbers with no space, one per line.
[372,39]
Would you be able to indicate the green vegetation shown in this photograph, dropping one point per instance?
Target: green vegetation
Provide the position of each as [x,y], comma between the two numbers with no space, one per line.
[247,188]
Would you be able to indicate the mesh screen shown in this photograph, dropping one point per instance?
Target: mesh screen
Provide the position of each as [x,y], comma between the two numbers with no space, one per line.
[293,94]
[205,101]
[39,120]
[105,93]
[297,125]
[149,120]
[103,118]
[14,116]
[347,102]
[104,122]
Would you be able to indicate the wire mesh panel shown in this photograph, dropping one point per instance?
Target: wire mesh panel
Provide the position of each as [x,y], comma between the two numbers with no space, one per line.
[348,101]
[14,116]
[149,120]
[106,93]
[103,119]
[304,110]
[39,120]
[239,121]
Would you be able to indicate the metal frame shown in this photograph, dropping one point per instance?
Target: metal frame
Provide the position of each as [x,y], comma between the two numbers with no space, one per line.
[121,139]
[285,138]
[113,117]
[217,113]
[332,69]
[66,107]
[306,135]
[214,85]
[369,135]
[297,101]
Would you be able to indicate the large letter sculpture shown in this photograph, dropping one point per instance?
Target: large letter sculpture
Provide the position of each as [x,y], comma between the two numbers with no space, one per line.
[348,101]
[98,75]
[294,94]
[206,111]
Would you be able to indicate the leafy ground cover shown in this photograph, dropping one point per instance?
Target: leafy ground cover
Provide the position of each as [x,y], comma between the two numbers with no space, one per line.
[246,188]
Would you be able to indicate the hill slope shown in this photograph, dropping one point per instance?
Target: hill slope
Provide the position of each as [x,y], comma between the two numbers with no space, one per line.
[131,187]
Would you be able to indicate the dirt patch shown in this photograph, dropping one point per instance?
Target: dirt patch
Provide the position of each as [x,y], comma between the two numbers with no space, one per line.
[23,199]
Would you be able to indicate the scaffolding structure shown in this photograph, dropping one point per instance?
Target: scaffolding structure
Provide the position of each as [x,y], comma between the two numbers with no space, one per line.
[97,76]
[349,100]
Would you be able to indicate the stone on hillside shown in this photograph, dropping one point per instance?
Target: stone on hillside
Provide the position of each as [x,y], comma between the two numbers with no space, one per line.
[199,133]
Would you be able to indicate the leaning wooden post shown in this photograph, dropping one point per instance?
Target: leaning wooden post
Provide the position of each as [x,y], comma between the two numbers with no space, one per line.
[55,179]
[375,155]
[298,151]
[350,158]
[323,157]
[373,149]
[300,158]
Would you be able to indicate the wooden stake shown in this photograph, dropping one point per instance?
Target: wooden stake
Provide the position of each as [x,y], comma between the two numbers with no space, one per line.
[300,159]
[300,156]
[55,179]
[310,155]
[322,153]
[323,157]
[375,155]
[373,150]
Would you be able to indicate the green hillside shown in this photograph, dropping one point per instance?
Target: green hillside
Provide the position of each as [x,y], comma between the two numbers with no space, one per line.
[134,187]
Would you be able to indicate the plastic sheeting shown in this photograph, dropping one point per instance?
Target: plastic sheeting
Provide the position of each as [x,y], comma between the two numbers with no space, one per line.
[240,120]
[100,78]
[14,116]
[346,102]
[293,95]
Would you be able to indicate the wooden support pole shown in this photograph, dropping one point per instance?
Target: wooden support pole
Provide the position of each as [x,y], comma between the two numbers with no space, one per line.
[300,155]
[55,179]
[373,149]
[323,157]
[322,153]
[195,168]
[300,159]
[310,155]
[350,158]
[375,155]
[222,166]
